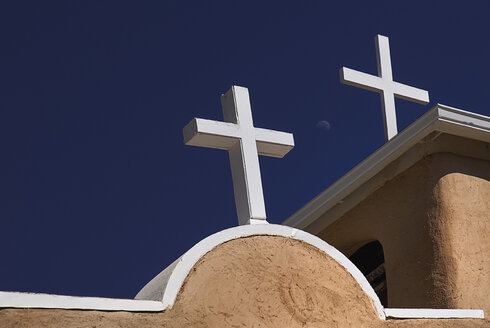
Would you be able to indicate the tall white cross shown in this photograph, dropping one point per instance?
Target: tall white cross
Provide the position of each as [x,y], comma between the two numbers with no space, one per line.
[384,84]
[244,143]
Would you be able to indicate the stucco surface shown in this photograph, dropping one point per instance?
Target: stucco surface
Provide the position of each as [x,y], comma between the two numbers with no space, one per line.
[97,319]
[259,281]
[433,222]
[465,209]
[273,282]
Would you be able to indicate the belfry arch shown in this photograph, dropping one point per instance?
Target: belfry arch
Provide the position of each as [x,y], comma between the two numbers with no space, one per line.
[370,260]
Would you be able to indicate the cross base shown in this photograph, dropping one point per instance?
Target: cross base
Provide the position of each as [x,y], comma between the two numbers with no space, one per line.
[257,221]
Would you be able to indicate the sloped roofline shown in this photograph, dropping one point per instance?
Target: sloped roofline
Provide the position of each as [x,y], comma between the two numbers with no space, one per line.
[441,118]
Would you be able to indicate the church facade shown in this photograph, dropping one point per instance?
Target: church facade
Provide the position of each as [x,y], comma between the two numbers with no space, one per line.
[402,240]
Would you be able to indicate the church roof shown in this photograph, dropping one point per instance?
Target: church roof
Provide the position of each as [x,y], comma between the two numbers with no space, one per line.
[443,128]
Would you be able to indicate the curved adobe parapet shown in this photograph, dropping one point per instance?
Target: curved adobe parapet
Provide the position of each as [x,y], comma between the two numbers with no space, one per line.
[168,283]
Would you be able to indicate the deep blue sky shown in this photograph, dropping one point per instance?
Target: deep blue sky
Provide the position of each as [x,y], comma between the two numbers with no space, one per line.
[98,192]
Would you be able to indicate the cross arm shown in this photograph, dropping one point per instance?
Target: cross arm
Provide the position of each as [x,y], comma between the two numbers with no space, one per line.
[273,143]
[362,80]
[410,93]
[375,83]
[211,134]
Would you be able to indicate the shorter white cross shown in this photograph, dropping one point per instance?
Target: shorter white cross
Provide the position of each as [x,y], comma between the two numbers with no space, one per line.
[384,84]
[244,143]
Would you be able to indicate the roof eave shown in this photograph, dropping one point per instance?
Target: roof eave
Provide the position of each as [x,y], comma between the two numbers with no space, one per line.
[441,118]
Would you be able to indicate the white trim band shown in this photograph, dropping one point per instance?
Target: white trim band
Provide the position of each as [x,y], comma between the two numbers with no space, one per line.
[433,314]
[49,301]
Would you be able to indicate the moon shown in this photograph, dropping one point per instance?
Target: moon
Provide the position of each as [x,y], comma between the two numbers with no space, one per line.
[323,125]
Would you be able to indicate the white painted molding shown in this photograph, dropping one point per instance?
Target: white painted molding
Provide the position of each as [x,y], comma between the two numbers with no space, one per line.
[393,313]
[49,301]
[463,123]
[440,118]
[171,288]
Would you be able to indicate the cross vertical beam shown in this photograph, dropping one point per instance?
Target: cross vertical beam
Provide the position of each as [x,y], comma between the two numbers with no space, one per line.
[244,158]
[384,84]
[244,143]
[383,59]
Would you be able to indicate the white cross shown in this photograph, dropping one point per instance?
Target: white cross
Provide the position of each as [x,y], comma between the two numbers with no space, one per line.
[384,84]
[244,143]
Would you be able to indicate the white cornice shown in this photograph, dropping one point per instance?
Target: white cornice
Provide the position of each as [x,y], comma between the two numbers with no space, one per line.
[50,301]
[393,313]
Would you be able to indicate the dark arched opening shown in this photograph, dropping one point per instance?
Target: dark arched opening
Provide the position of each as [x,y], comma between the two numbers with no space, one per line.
[371,262]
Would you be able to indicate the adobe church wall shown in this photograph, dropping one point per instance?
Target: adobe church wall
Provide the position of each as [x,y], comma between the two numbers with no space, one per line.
[44,318]
[258,281]
[433,221]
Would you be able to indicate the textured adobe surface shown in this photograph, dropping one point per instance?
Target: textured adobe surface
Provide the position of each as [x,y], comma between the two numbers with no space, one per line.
[259,281]
[433,221]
